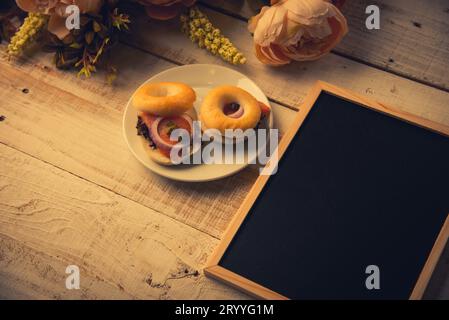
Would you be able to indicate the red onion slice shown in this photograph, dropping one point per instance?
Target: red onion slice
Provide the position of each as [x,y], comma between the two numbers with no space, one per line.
[237,114]
[157,139]
[190,121]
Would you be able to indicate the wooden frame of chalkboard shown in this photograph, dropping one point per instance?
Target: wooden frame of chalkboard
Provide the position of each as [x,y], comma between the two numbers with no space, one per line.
[214,270]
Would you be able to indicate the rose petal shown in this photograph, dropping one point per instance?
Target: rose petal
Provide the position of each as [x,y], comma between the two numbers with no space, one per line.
[308,12]
[163,12]
[165,9]
[338,3]
[56,25]
[262,58]
[272,55]
[252,24]
[188,3]
[339,30]
[275,52]
[89,6]
[35,6]
[270,25]
[159,2]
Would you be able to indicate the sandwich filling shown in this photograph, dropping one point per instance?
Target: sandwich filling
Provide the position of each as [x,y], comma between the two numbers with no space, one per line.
[157,130]
[235,110]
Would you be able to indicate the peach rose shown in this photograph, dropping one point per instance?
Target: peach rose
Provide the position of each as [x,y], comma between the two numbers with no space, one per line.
[337,3]
[56,10]
[165,9]
[300,30]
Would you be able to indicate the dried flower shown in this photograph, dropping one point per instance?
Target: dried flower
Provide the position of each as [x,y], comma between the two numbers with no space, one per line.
[56,9]
[298,30]
[165,9]
[27,34]
[119,21]
[201,31]
[11,18]
[88,47]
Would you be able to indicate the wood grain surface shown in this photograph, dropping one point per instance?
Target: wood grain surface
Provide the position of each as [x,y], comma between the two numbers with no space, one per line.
[51,218]
[412,41]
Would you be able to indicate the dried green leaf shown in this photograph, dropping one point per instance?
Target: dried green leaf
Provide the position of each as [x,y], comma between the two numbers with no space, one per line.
[96,26]
[89,37]
[76,45]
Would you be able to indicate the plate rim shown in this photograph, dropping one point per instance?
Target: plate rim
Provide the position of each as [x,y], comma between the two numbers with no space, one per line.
[171,177]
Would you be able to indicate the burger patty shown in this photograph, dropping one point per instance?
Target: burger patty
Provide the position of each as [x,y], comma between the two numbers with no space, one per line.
[142,130]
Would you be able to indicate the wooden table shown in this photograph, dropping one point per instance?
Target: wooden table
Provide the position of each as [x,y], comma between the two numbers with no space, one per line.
[72,193]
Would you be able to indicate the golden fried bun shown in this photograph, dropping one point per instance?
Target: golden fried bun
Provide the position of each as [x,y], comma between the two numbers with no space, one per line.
[212,115]
[164,98]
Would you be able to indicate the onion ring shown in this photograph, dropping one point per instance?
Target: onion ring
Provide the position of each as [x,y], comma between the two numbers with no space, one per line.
[164,146]
[237,114]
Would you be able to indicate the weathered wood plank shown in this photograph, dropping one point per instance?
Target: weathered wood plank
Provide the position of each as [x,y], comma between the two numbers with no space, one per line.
[85,138]
[412,41]
[28,273]
[64,121]
[94,89]
[290,84]
[50,219]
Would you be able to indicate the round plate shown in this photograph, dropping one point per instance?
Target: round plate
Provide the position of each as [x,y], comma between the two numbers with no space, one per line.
[202,78]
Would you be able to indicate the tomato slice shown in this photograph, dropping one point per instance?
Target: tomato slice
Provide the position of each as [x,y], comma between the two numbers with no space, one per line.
[264,109]
[167,125]
[148,118]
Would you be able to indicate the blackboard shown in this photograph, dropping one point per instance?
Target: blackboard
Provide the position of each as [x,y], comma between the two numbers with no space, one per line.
[358,185]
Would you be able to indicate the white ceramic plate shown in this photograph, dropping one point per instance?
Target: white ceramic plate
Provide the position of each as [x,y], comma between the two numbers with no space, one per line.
[202,78]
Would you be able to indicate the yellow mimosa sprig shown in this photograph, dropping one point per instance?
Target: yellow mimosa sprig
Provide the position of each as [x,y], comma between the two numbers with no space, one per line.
[27,34]
[201,31]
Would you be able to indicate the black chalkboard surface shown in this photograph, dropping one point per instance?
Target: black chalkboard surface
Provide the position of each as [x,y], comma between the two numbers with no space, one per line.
[355,187]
